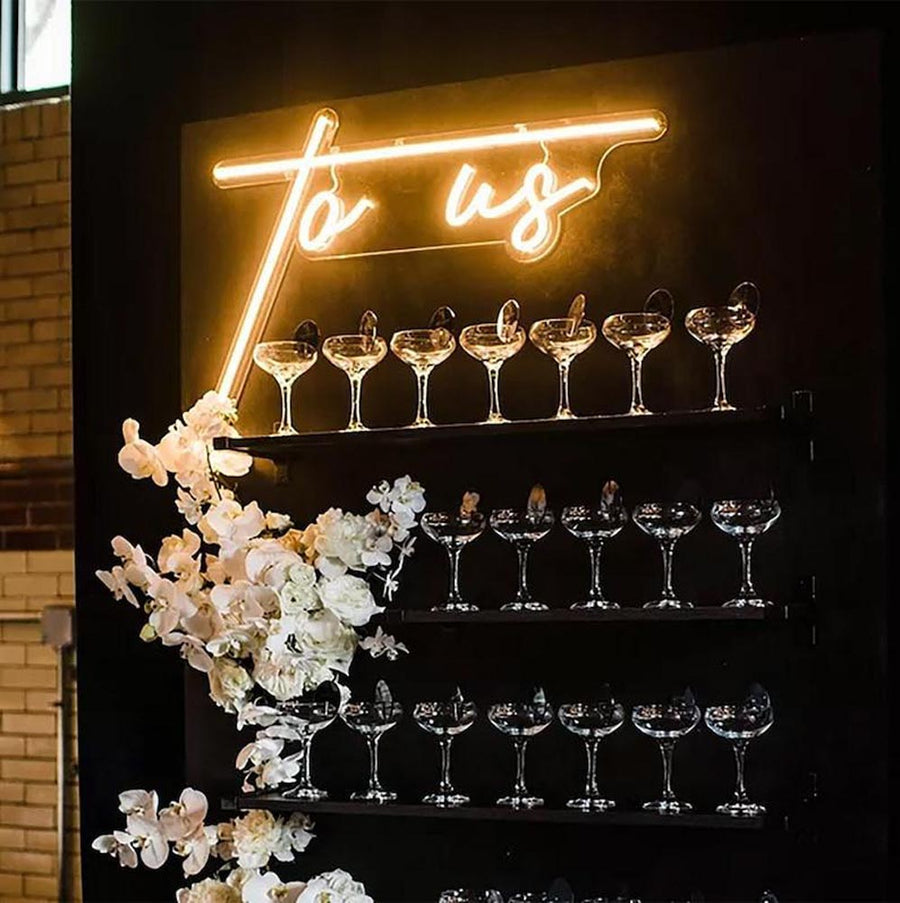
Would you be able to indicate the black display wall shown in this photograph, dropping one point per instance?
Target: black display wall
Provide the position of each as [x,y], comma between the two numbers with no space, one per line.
[142,71]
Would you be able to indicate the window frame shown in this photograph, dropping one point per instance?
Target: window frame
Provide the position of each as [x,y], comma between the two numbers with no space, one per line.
[11,51]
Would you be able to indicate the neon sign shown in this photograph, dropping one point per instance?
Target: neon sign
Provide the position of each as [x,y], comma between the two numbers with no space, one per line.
[319,220]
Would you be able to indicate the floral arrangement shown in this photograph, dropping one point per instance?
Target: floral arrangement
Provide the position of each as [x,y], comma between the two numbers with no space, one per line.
[268,612]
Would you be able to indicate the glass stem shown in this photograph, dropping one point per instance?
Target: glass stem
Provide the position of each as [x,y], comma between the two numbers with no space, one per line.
[521,745]
[455,595]
[422,410]
[564,409]
[494,385]
[637,389]
[666,748]
[740,752]
[522,550]
[720,355]
[668,547]
[595,548]
[287,421]
[355,393]
[446,786]
[374,782]
[747,590]
[305,775]
[590,787]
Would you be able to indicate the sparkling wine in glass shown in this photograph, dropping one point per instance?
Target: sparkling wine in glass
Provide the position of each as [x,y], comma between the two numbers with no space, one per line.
[745,520]
[423,350]
[446,720]
[372,720]
[285,362]
[592,721]
[454,532]
[307,717]
[493,344]
[667,523]
[521,721]
[639,333]
[740,723]
[720,328]
[356,355]
[563,340]
[595,525]
[667,722]
[523,529]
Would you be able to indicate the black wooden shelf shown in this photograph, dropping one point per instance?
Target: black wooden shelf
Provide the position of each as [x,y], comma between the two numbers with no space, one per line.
[286,447]
[612,818]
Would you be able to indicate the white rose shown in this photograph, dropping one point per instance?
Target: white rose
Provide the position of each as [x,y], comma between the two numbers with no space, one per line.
[349,598]
[286,675]
[334,887]
[322,634]
[340,540]
[299,593]
[270,562]
[229,684]
[208,891]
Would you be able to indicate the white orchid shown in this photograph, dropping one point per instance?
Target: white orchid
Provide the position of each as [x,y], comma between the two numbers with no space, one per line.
[382,644]
[269,888]
[120,846]
[116,582]
[138,457]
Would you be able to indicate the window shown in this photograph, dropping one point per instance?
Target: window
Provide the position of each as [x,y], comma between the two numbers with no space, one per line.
[35,45]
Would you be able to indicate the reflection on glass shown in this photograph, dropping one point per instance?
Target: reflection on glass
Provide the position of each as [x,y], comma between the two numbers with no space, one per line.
[372,719]
[454,532]
[721,328]
[285,362]
[592,721]
[423,350]
[745,520]
[307,718]
[667,523]
[471,896]
[446,720]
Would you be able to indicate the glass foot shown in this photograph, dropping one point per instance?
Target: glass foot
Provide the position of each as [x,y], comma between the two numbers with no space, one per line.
[520,802]
[639,409]
[722,406]
[667,807]
[374,796]
[594,604]
[285,431]
[455,606]
[446,800]
[741,810]
[307,794]
[495,418]
[524,606]
[354,428]
[668,603]
[565,415]
[593,804]
[747,602]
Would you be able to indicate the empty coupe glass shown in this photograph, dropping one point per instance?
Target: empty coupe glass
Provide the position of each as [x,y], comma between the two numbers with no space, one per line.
[595,525]
[667,722]
[286,362]
[307,718]
[523,529]
[471,896]
[745,520]
[639,333]
[372,719]
[521,721]
[454,532]
[723,327]
[540,896]
[740,723]
[493,344]
[563,340]
[667,523]
[356,355]
[446,720]
[592,721]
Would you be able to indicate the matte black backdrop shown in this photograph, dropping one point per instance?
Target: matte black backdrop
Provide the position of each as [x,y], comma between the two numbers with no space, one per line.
[142,70]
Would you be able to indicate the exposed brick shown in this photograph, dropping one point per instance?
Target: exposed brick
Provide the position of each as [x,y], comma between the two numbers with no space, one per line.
[12,838]
[31,121]
[29,585]
[15,288]
[54,119]
[35,308]
[30,399]
[51,147]
[30,173]
[18,378]
[11,632]
[25,770]
[11,885]
[12,792]
[29,447]
[20,242]
[17,151]
[13,562]
[49,562]
[11,333]
[34,217]
[42,376]
[30,354]
[12,746]
[47,330]
[46,238]
[11,654]
[28,863]
[30,264]
[52,284]
[21,196]
[40,747]
[28,678]
[52,192]
[11,425]
[40,886]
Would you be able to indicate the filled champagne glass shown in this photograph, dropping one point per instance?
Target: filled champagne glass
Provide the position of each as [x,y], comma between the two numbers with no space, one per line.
[493,344]
[356,355]
[667,523]
[446,720]
[639,333]
[563,340]
[285,362]
[721,328]
[372,720]
[423,350]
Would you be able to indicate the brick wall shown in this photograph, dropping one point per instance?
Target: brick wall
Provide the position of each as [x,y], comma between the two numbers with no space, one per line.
[36,518]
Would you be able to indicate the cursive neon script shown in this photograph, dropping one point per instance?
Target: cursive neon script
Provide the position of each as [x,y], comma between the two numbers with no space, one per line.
[316,221]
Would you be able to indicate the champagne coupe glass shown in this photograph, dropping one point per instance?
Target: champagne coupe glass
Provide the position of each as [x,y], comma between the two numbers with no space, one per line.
[307,718]
[723,327]
[563,340]
[595,525]
[592,721]
[540,896]
[667,523]
[423,350]
[521,721]
[446,720]
[740,724]
[356,355]
[471,896]
[745,520]
[372,719]
[493,344]
[667,723]
[286,362]
[637,334]
[454,532]
[523,529]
